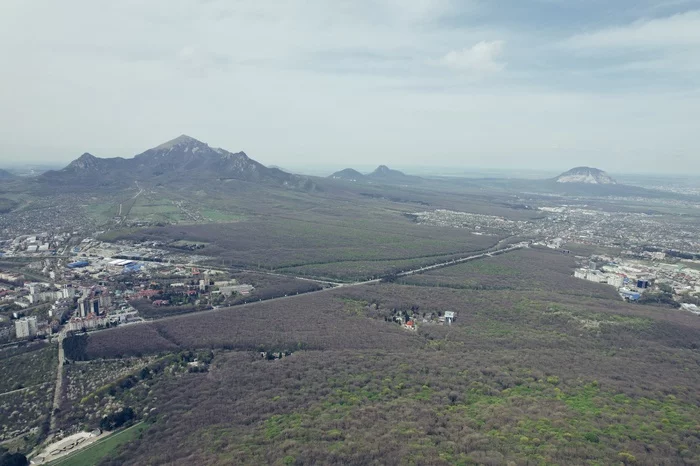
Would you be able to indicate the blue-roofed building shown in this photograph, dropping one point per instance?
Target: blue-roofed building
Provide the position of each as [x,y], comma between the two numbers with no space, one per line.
[77,265]
[132,268]
[630,295]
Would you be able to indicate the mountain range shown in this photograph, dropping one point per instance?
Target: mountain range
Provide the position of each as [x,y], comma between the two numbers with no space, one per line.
[183,158]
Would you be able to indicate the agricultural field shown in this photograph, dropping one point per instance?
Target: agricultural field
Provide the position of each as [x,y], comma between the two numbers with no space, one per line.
[103,212]
[151,209]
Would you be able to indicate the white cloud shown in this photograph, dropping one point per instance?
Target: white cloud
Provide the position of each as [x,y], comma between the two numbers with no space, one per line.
[481,58]
[674,31]
[215,69]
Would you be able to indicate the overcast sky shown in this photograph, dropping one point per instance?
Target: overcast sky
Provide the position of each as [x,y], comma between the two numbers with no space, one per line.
[546,84]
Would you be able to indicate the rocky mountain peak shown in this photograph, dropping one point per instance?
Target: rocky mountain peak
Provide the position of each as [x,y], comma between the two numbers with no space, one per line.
[87,161]
[182,143]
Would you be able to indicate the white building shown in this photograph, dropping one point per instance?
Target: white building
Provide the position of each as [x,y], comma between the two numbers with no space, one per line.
[25,327]
[90,322]
[616,280]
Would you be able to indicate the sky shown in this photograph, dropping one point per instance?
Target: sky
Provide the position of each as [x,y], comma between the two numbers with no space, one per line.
[538,84]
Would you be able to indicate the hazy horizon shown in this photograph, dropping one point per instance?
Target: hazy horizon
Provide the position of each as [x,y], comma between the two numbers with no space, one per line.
[456,171]
[544,85]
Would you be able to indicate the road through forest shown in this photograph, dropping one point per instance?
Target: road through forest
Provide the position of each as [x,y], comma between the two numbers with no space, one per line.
[344,285]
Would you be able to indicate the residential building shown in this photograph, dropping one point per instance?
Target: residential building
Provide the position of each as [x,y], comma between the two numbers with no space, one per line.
[25,327]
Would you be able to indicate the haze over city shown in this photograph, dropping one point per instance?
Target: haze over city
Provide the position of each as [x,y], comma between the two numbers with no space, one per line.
[545,84]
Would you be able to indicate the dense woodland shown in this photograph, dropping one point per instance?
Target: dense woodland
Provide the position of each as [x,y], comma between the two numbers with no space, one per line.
[27,376]
[317,241]
[537,369]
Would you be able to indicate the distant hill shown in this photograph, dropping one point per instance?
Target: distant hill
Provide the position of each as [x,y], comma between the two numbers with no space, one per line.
[585,175]
[5,175]
[382,174]
[348,174]
[181,159]
[88,164]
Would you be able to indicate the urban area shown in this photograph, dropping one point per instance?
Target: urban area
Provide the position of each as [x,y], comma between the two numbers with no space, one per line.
[76,285]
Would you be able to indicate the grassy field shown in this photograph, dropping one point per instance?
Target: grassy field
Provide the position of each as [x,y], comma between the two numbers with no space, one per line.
[102,212]
[219,216]
[101,449]
[155,209]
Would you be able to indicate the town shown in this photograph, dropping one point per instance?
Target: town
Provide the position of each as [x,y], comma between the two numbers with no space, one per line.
[647,278]
[93,286]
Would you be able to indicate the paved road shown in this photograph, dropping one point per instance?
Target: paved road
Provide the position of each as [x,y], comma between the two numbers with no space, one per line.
[489,253]
[463,259]
[281,275]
